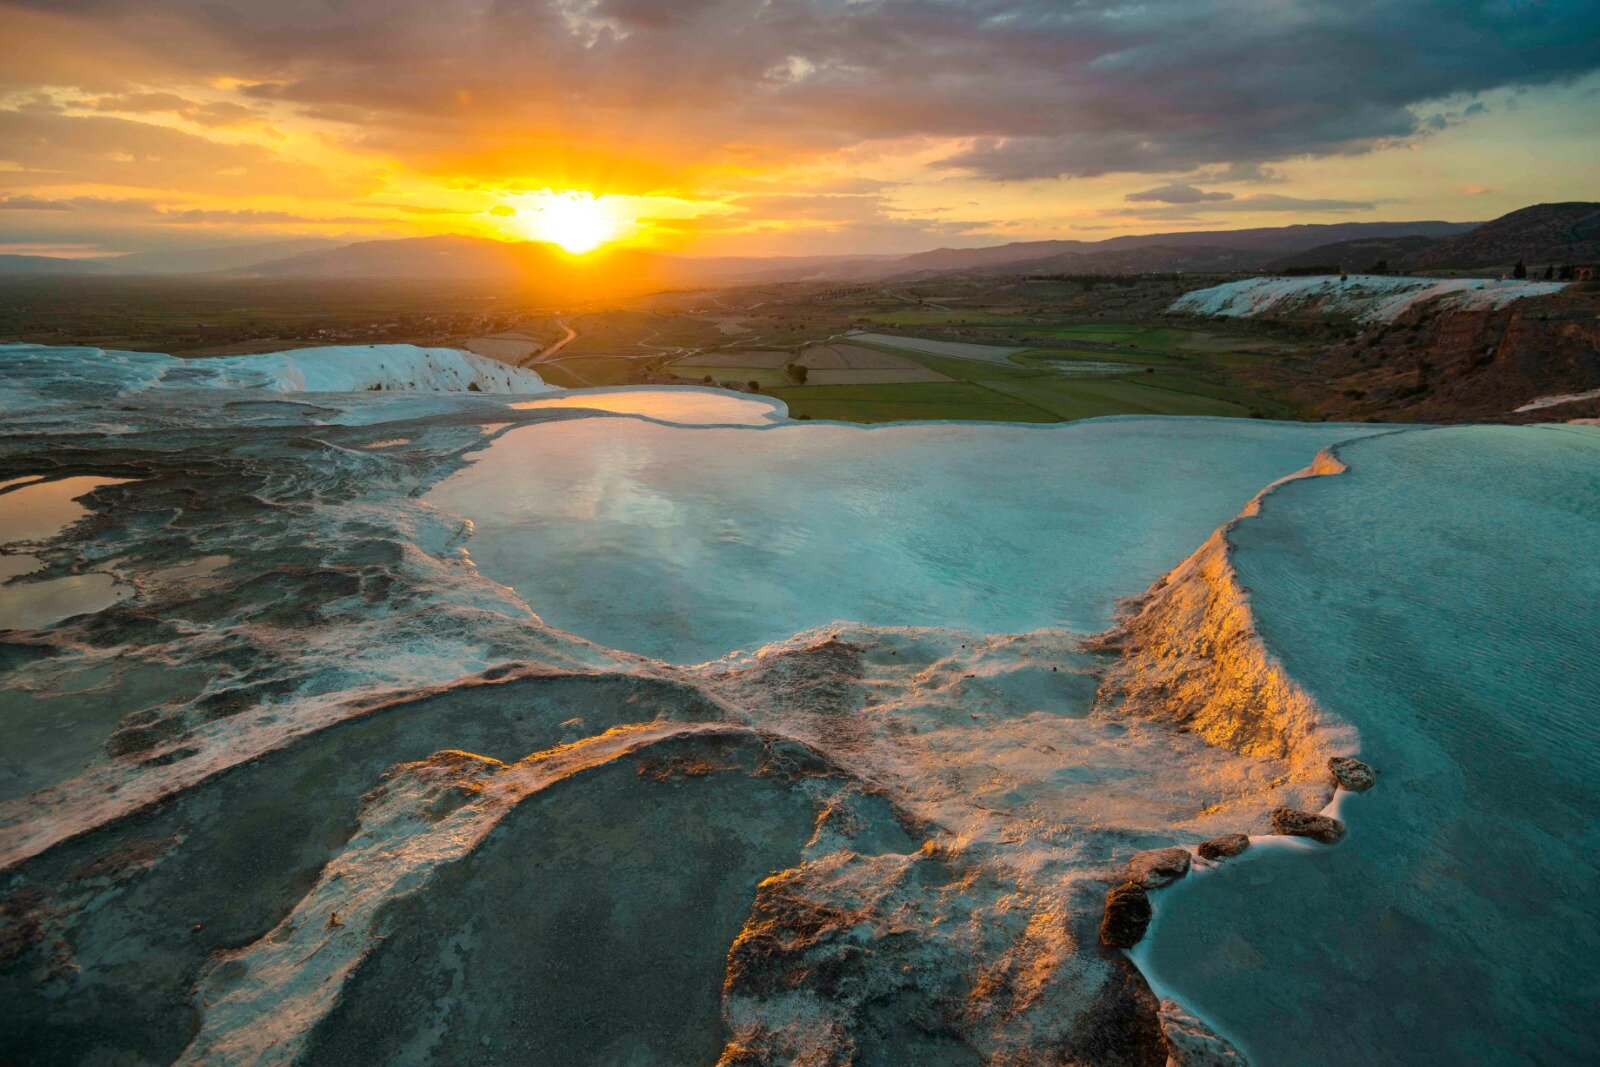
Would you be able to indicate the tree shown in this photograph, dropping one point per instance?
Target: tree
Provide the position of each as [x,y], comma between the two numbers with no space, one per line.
[1550,272]
[1520,270]
[797,372]
[755,386]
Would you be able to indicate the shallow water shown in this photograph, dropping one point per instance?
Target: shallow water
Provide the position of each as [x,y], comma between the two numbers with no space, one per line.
[688,545]
[1444,596]
[38,511]
[687,405]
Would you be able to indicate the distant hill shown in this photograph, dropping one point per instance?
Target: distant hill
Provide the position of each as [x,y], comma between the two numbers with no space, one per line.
[943,259]
[1196,250]
[1357,255]
[1137,260]
[49,265]
[456,258]
[173,261]
[536,266]
[1544,233]
[222,257]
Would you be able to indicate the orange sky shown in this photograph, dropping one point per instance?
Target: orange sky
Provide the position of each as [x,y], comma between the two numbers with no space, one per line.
[778,127]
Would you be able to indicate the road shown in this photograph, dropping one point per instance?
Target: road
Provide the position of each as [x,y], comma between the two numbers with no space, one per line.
[546,354]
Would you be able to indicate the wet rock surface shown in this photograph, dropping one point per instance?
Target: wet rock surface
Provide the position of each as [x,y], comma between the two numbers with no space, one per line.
[1158,867]
[1352,774]
[1191,1043]
[1295,823]
[1224,847]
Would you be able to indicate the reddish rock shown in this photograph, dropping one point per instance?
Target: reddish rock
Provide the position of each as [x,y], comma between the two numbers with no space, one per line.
[1158,867]
[1296,823]
[1352,774]
[1223,847]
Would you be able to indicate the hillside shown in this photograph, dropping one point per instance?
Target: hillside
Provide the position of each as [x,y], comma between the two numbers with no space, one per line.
[543,267]
[1136,260]
[1197,250]
[223,257]
[1541,234]
[49,265]
[1360,255]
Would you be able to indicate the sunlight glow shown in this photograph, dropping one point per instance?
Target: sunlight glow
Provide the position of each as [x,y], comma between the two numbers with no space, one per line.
[577,221]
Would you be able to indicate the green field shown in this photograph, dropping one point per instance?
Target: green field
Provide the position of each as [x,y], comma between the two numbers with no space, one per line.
[1033,391]
[955,317]
[768,378]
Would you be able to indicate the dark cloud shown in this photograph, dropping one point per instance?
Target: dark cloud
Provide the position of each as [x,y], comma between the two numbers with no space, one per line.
[1177,193]
[1042,88]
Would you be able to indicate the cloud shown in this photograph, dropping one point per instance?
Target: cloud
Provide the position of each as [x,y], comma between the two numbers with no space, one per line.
[49,148]
[216,113]
[1037,88]
[1177,193]
[700,98]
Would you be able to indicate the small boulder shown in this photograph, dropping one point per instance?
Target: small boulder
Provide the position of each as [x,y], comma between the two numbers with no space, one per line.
[1296,823]
[1127,916]
[1352,773]
[1158,867]
[1227,845]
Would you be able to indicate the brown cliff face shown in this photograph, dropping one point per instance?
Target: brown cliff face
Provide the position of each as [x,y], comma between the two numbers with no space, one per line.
[1438,365]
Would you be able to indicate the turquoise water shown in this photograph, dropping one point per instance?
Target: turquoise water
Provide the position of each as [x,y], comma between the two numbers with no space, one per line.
[1443,595]
[688,545]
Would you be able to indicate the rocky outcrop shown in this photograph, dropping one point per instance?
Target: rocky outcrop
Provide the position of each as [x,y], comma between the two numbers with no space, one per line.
[1158,867]
[1191,1043]
[1191,655]
[1224,847]
[1438,364]
[1295,823]
[1127,916]
[1352,774]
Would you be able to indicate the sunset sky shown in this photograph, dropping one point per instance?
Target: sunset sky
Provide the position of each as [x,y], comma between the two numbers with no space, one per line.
[780,127]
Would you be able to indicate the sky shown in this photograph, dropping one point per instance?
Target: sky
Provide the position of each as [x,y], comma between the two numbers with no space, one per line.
[780,127]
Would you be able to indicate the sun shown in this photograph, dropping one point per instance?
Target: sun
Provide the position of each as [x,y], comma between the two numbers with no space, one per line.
[579,222]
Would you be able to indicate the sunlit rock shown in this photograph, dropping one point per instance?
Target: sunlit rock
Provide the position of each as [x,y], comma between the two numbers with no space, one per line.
[1158,867]
[1294,823]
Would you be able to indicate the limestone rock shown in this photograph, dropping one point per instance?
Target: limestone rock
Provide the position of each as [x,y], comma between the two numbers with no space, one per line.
[1127,916]
[1191,1043]
[1352,773]
[1158,867]
[1223,847]
[1298,823]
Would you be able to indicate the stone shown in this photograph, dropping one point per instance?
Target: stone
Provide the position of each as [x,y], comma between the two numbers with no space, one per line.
[1191,1043]
[1352,774]
[1158,867]
[1296,823]
[1223,847]
[1127,916]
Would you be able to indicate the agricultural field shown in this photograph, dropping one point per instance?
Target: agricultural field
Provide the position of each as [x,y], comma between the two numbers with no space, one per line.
[825,364]
[1039,350]
[937,347]
[1040,386]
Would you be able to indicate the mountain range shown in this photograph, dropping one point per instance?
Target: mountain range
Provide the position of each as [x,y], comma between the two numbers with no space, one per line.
[1544,233]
